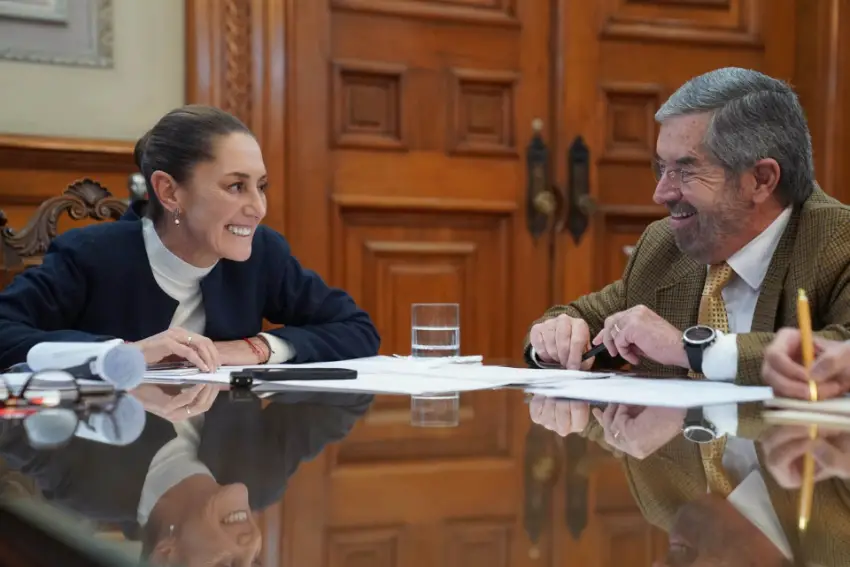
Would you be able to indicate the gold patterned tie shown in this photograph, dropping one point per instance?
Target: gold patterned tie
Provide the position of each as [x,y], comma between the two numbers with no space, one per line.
[712,313]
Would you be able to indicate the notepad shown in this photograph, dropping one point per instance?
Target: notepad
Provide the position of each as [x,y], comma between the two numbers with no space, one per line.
[806,418]
[656,392]
[835,405]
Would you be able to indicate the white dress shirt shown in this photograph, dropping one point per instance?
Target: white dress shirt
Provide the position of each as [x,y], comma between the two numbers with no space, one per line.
[752,500]
[178,459]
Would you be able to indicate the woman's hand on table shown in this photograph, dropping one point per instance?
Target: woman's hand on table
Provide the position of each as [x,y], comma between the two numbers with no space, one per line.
[180,344]
[176,403]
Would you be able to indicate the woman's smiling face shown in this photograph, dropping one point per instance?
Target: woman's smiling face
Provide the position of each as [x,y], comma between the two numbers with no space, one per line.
[222,203]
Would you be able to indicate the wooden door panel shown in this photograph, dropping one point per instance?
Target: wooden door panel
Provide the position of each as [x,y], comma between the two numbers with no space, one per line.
[417,132]
[391,259]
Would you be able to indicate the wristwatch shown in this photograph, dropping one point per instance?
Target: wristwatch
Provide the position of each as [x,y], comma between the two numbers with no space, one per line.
[696,340]
[697,428]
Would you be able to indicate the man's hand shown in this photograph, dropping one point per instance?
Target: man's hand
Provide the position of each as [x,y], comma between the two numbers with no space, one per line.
[562,340]
[783,370]
[785,447]
[640,332]
[561,416]
[639,431]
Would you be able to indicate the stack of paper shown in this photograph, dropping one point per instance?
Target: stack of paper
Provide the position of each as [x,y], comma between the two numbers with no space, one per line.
[417,376]
[834,413]
[656,392]
[392,375]
[835,406]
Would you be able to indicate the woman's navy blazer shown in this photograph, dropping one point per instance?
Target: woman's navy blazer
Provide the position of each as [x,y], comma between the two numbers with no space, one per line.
[96,284]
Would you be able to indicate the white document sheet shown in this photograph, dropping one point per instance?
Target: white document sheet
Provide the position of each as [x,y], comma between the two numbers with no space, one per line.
[368,382]
[513,376]
[835,405]
[656,392]
[410,375]
[401,384]
[375,364]
[804,419]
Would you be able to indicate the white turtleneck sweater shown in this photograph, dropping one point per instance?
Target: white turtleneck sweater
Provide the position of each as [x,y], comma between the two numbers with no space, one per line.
[178,459]
[182,281]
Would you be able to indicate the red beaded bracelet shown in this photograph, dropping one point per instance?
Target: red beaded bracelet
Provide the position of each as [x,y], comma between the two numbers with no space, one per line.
[256,350]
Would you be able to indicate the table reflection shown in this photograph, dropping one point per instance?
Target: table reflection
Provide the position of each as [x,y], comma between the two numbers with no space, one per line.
[190,490]
[754,521]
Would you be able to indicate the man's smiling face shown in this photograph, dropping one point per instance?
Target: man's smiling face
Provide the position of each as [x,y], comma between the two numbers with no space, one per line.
[707,209]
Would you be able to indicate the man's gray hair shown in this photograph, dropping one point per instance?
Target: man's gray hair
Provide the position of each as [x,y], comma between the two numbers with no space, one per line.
[753,117]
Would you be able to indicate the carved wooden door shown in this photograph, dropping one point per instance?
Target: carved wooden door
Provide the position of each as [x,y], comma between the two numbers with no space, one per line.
[408,183]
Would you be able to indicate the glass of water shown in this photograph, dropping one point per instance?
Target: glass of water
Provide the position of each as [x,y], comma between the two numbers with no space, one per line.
[435,330]
[435,333]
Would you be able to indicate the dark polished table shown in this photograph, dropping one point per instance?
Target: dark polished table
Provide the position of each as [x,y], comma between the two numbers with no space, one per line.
[333,479]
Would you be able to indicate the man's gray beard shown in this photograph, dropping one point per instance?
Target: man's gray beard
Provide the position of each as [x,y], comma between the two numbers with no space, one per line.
[712,229]
[697,249]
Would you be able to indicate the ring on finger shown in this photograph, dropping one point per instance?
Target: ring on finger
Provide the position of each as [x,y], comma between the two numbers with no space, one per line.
[616,435]
[189,339]
[189,411]
[616,328]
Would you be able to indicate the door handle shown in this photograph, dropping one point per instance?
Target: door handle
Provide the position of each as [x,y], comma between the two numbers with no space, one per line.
[547,207]
[543,201]
[580,205]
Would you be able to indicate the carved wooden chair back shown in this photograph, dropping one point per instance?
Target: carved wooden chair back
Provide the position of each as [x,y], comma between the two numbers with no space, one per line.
[83,199]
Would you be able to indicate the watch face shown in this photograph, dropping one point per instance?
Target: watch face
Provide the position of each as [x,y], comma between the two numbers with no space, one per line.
[699,434]
[699,334]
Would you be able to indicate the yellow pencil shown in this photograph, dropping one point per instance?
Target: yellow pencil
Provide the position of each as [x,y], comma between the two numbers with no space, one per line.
[804,320]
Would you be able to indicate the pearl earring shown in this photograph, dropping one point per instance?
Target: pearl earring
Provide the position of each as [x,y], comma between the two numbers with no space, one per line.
[177,216]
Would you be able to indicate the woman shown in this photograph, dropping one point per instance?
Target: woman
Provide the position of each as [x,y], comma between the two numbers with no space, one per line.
[191,273]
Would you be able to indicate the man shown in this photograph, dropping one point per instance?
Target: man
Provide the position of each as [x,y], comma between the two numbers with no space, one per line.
[748,226]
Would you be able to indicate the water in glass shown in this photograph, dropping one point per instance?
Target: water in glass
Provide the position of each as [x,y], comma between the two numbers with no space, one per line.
[435,330]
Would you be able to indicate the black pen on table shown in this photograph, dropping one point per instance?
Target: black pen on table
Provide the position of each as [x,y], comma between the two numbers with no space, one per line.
[598,349]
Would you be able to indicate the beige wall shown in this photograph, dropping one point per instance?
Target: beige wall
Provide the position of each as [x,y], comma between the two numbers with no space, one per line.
[146,81]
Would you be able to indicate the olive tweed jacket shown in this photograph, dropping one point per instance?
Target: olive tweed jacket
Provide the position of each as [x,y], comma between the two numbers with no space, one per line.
[813,253]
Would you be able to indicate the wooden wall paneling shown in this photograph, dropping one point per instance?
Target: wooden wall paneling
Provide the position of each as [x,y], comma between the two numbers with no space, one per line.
[36,168]
[228,43]
[822,78]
